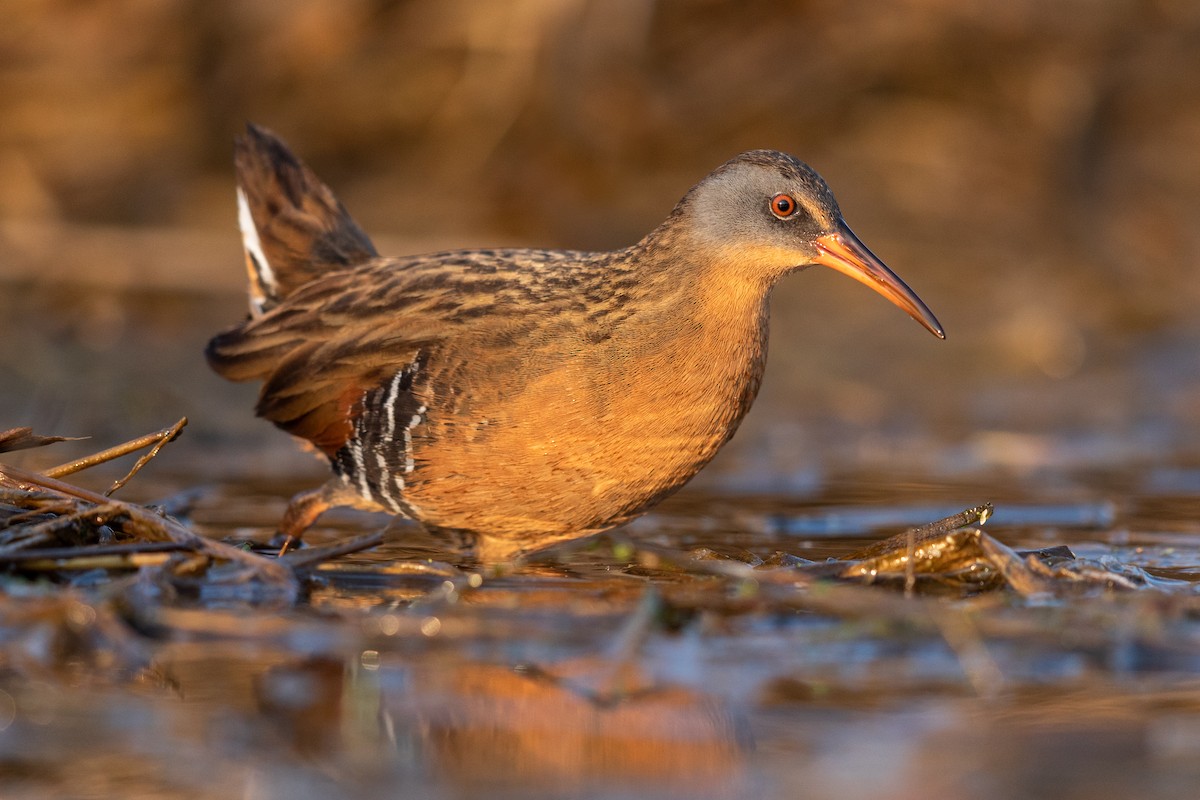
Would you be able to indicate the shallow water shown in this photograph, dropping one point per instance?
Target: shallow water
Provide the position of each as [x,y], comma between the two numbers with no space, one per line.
[676,657]
[602,671]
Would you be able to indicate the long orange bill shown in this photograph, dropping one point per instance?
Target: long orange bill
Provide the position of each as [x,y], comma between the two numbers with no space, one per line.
[843,251]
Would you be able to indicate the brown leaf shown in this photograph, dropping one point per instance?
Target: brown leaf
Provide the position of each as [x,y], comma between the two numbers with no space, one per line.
[24,438]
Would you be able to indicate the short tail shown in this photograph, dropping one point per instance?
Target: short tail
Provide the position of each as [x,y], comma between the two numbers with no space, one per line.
[293,226]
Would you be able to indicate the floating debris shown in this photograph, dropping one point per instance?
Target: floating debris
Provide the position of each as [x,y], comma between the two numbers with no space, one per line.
[56,529]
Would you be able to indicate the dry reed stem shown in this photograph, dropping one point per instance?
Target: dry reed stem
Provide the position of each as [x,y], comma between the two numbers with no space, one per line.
[298,559]
[150,524]
[153,440]
[88,561]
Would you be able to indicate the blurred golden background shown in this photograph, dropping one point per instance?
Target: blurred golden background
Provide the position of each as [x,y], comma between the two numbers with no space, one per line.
[1032,169]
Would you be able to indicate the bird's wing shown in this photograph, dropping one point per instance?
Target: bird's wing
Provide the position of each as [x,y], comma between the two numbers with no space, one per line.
[337,338]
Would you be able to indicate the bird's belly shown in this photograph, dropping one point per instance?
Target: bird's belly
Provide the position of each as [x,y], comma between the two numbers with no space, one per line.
[564,457]
[558,481]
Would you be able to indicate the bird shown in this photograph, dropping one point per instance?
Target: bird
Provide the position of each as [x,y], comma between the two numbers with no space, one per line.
[512,399]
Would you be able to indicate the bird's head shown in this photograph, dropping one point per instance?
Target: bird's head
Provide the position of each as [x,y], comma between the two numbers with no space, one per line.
[769,214]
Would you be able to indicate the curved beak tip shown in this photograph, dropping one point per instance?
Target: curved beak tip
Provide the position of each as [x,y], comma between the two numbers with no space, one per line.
[844,252]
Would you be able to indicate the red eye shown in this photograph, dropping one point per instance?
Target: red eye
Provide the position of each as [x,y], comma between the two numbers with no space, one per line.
[783,205]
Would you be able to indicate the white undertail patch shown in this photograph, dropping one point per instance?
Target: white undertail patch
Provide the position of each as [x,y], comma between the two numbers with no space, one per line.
[250,241]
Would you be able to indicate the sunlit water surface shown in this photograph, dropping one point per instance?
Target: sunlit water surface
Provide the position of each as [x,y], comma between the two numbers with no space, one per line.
[614,668]
[599,671]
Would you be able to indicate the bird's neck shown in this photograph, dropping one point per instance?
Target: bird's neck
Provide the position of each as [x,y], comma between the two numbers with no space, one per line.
[702,335]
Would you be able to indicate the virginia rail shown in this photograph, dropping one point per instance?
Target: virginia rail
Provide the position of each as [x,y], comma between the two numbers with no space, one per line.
[516,398]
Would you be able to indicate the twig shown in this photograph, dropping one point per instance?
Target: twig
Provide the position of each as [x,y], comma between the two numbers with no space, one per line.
[34,506]
[157,439]
[977,514]
[297,559]
[910,563]
[33,535]
[26,541]
[125,548]
[152,524]
[914,537]
[88,561]
[167,435]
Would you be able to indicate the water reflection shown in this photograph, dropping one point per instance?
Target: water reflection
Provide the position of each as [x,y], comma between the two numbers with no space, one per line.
[374,717]
[395,681]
